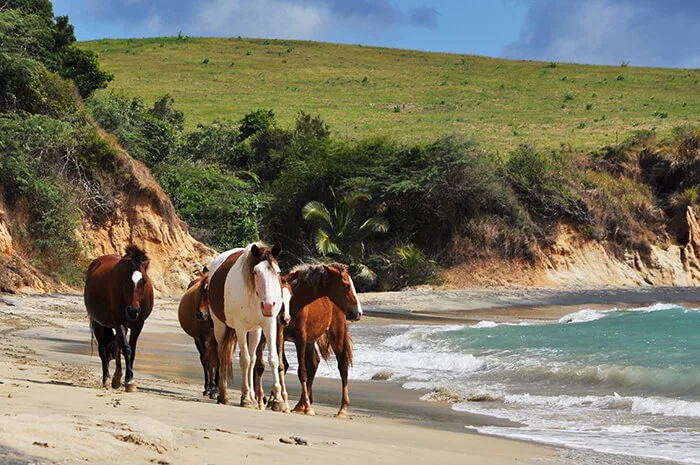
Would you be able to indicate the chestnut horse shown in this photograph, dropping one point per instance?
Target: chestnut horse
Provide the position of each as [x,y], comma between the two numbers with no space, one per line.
[323,300]
[195,320]
[245,296]
[118,295]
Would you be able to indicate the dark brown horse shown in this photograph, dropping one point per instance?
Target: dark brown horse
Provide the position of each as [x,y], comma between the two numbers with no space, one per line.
[323,300]
[195,320]
[118,295]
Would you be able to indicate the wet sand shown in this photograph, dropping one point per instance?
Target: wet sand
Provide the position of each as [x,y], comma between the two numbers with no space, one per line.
[51,400]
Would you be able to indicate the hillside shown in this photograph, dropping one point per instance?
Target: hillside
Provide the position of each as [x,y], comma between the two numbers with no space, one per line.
[408,95]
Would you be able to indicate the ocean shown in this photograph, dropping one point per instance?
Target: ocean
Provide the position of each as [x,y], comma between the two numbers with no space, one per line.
[614,381]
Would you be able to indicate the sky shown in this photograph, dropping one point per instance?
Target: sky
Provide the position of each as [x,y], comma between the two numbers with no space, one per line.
[639,32]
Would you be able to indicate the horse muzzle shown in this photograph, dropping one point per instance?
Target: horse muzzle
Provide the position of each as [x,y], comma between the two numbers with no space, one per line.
[132,313]
[353,314]
[267,308]
[284,322]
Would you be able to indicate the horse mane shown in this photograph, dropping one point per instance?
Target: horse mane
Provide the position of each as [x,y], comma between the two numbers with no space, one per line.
[137,256]
[249,262]
[314,275]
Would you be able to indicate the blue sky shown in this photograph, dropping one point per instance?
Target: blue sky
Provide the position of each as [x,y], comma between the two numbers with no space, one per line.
[641,32]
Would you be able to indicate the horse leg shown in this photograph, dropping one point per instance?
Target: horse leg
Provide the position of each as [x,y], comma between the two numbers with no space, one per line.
[201,348]
[343,369]
[304,404]
[244,361]
[129,385]
[222,357]
[104,348]
[258,374]
[117,378]
[312,362]
[282,369]
[270,330]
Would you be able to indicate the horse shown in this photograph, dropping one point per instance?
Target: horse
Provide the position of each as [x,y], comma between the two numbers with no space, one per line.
[118,295]
[323,300]
[245,296]
[195,320]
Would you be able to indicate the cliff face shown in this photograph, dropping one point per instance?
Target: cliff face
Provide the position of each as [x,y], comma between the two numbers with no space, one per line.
[575,261]
[143,215]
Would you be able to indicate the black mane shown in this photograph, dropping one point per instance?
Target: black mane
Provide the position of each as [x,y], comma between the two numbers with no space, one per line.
[137,256]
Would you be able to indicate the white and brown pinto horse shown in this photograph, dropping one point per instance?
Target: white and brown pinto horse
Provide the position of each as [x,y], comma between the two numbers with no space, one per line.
[245,297]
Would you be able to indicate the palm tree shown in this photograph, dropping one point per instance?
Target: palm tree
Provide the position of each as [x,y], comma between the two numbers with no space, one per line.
[338,234]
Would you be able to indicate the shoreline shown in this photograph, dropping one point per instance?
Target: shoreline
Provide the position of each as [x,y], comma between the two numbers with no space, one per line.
[382,404]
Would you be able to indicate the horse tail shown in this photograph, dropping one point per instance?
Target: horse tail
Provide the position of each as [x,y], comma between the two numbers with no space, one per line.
[223,354]
[324,346]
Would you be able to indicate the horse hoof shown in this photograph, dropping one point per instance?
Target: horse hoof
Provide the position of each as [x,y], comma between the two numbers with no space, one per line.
[246,403]
[222,400]
[278,406]
[206,393]
[130,387]
[116,383]
[213,395]
[309,411]
[342,414]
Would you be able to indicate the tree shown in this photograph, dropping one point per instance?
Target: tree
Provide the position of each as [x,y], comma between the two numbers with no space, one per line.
[338,234]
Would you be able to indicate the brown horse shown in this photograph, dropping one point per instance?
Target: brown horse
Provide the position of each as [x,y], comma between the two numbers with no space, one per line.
[195,320]
[118,295]
[323,299]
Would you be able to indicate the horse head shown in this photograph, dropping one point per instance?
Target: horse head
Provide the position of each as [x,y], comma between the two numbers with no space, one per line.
[285,315]
[203,313]
[135,262]
[266,274]
[341,290]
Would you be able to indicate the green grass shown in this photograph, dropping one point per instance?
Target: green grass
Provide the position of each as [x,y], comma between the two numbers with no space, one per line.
[404,94]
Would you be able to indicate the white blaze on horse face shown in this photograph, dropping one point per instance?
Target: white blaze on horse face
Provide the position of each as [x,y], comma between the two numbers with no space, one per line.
[268,288]
[286,301]
[136,277]
[357,299]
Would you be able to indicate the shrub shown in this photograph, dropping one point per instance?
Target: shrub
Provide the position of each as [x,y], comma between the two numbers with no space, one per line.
[220,209]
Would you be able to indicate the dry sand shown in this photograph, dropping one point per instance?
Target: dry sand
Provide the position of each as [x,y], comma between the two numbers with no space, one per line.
[55,411]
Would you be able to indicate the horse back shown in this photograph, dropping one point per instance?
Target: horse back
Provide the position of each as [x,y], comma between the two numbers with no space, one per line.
[217,283]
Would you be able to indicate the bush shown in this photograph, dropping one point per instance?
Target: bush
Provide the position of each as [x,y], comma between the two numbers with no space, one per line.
[220,209]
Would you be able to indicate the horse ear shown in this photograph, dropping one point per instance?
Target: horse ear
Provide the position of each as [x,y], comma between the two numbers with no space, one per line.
[255,250]
[205,270]
[276,249]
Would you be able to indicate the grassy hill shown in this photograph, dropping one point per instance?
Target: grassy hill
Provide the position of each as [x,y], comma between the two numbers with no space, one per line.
[405,94]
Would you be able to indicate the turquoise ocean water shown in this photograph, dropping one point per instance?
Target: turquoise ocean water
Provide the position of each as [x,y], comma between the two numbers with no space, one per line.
[616,381]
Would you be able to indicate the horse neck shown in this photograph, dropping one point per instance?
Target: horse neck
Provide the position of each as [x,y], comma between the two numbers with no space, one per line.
[303,295]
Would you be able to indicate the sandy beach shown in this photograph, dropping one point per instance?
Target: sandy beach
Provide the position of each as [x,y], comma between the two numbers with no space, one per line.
[55,411]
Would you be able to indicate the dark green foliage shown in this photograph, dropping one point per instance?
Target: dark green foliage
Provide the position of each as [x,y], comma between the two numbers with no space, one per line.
[83,68]
[29,30]
[44,161]
[150,135]
[26,85]
[255,122]
[540,184]
[220,209]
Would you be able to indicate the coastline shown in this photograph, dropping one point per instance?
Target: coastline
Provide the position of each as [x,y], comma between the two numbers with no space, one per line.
[48,370]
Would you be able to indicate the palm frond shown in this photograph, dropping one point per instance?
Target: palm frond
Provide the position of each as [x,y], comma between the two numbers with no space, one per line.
[316,211]
[325,245]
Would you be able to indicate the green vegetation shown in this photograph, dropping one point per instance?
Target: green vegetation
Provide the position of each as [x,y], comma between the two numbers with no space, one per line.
[340,233]
[395,161]
[408,96]
[51,154]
